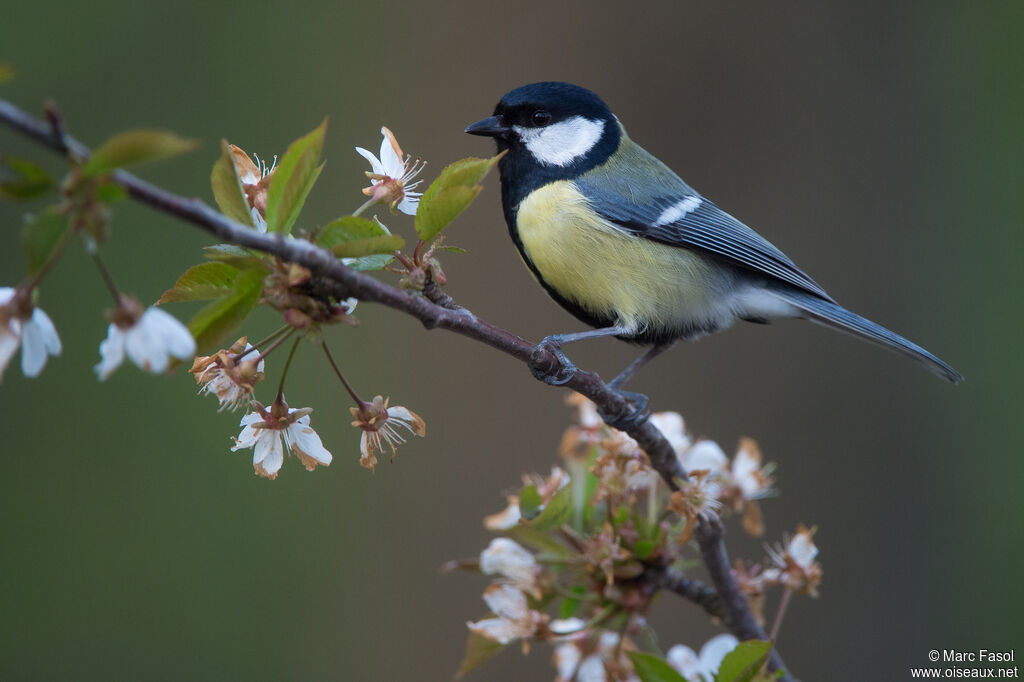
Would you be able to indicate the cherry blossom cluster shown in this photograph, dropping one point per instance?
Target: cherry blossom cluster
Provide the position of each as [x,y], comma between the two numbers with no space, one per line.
[588,538]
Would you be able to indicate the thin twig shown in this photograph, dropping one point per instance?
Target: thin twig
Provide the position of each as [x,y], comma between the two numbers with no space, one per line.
[344,282]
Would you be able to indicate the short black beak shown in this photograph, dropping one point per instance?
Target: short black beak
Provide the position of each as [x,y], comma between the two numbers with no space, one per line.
[493,126]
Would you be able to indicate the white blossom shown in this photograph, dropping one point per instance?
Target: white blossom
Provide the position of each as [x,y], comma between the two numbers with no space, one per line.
[512,561]
[514,619]
[704,454]
[702,667]
[151,342]
[269,439]
[36,335]
[391,175]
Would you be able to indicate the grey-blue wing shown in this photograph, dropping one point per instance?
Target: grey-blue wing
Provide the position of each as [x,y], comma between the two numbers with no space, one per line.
[643,196]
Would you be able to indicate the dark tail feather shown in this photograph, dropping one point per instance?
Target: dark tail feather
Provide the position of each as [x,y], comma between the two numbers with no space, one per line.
[837,317]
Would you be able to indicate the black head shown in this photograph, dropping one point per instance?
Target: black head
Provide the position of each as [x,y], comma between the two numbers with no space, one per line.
[552,131]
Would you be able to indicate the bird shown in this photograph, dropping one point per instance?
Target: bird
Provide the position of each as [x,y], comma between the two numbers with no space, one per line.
[626,246]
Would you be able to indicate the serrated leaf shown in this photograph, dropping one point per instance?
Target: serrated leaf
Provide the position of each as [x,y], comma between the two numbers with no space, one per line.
[227,188]
[211,325]
[202,282]
[347,229]
[294,177]
[27,181]
[530,502]
[41,235]
[383,244]
[136,146]
[450,194]
[444,207]
[478,650]
[651,668]
[469,172]
[744,662]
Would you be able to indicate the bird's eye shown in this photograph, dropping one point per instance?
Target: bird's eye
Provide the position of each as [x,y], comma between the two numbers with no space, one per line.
[541,118]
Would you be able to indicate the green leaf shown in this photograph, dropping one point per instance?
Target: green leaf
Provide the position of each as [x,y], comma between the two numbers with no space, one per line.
[643,548]
[217,319]
[530,502]
[571,605]
[227,188]
[384,244]
[469,172]
[110,193]
[556,511]
[347,229]
[539,540]
[241,258]
[444,207]
[41,235]
[27,181]
[370,263]
[651,668]
[293,179]
[136,146]
[202,282]
[744,662]
[450,194]
[478,650]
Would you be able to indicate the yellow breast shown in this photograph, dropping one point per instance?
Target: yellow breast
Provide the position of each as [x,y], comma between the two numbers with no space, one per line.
[609,272]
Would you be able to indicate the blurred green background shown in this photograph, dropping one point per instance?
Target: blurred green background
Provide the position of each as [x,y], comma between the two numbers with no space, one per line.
[879,144]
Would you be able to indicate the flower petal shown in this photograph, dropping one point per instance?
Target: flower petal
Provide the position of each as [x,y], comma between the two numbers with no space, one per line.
[176,338]
[268,454]
[9,341]
[409,205]
[375,165]
[145,348]
[684,660]
[510,559]
[305,443]
[33,349]
[499,629]
[389,156]
[6,294]
[503,520]
[506,601]
[111,352]
[48,330]
[714,650]
[705,454]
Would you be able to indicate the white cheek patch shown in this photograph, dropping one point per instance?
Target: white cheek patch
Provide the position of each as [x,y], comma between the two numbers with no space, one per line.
[678,210]
[561,143]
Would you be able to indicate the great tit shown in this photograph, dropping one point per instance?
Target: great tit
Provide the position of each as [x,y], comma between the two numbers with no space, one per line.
[622,243]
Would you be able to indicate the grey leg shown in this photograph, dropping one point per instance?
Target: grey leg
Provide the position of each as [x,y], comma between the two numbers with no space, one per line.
[638,410]
[563,370]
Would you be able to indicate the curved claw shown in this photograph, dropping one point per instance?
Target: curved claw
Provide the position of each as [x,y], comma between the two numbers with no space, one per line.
[557,373]
[633,414]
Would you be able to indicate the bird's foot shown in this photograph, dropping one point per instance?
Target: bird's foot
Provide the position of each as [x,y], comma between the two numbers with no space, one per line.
[632,414]
[555,373]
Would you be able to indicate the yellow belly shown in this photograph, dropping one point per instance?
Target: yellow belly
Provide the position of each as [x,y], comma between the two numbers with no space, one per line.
[637,282]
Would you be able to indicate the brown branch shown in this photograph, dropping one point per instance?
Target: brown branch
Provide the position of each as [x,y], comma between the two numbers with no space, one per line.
[344,282]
